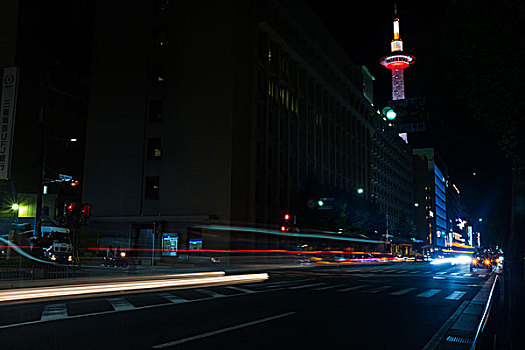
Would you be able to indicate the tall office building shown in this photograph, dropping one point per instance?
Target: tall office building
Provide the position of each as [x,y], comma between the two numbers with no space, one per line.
[44,58]
[430,194]
[217,116]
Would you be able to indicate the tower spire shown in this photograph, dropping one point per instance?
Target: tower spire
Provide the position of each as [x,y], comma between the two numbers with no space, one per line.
[397,61]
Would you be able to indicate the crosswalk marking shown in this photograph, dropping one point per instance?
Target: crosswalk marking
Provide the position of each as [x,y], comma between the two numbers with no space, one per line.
[120,304]
[441,272]
[403,291]
[482,276]
[456,295]
[352,288]
[173,298]
[241,289]
[308,285]
[455,273]
[210,293]
[331,286]
[379,289]
[467,274]
[54,312]
[429,293]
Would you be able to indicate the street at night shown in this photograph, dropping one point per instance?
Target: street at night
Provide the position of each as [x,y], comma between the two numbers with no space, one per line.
[262,174]
[375,306]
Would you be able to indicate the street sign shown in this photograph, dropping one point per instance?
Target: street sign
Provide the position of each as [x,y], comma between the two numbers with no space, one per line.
[65,177]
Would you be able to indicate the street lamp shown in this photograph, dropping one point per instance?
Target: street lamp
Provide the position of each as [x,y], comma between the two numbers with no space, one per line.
[15,207]
[360,191]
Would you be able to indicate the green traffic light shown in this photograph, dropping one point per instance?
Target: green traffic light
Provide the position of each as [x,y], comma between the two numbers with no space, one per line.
[320,203]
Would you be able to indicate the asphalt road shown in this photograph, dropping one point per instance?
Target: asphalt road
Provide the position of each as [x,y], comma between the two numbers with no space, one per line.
[399,306]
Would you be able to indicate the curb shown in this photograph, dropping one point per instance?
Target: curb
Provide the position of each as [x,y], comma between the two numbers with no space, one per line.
[462,329]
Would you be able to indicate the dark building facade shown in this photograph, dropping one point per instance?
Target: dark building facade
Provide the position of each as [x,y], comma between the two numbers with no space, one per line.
[49,46]
[218,116]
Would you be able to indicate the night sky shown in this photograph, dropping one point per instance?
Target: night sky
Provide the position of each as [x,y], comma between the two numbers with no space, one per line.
[364,29]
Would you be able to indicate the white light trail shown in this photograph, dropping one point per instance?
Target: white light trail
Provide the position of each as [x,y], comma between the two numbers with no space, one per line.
[74,290]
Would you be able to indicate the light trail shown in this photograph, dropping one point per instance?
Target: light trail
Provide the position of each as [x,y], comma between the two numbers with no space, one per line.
[74,290]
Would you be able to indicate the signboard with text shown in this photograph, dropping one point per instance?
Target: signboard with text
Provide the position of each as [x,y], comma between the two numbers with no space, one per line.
[7,119]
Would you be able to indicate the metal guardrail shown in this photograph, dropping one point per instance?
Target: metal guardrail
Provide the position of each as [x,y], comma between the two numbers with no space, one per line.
[485,316]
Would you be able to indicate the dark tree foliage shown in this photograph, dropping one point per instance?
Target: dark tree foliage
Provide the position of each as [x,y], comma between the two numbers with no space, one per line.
[485,47]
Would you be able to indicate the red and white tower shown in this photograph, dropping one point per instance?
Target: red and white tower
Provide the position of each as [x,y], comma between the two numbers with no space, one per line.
[397,62]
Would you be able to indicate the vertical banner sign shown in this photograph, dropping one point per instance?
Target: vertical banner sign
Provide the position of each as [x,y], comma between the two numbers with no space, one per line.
[7,119]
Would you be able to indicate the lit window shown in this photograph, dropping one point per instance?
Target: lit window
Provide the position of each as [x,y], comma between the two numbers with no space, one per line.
[158,73]
[162,5]
[160,38]
[154,150]
[151,190]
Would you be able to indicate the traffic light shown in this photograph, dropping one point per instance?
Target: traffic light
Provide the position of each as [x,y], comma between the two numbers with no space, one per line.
[74,183]
[286,223]
[86,211]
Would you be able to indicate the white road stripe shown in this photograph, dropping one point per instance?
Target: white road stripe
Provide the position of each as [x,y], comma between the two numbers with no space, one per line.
[482,276]
[467,274]
[456,295]
[455,273]
[429,293]
[308,285]
[402,271]
[241,289]
[380,289]
[403,291]
[331,286]
[414,272]
[352,288]
[219,331]
[120,304]
[173,298]
[54,312]
[441,272]
[210,293]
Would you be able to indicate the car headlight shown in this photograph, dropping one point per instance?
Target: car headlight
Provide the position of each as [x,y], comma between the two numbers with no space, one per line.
[474,261]
[53,257]
[487,262]
[123,254]
[70,258]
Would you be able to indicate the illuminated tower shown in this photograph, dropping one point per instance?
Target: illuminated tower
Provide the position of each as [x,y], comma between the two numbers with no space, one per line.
[397,62]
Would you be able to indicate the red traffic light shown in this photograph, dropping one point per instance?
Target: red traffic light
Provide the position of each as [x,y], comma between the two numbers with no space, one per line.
[286,216]
[283,228]
[71,206]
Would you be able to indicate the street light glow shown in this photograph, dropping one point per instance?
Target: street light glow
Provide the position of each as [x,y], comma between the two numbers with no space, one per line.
[360,191]
[391,114]
[15,206]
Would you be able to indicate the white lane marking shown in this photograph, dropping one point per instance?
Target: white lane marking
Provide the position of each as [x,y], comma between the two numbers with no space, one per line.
[414,272]
[402,271]
[223,330]
[241,289]
[456,295]
[210,293]
[331,286]
[308,285]
[482,276]
[121,304]
[403,291]
[352,288]
[441,272]
[455,273]
[429,293]
[467,274]
[54,312]
[173,298]
[380,289]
